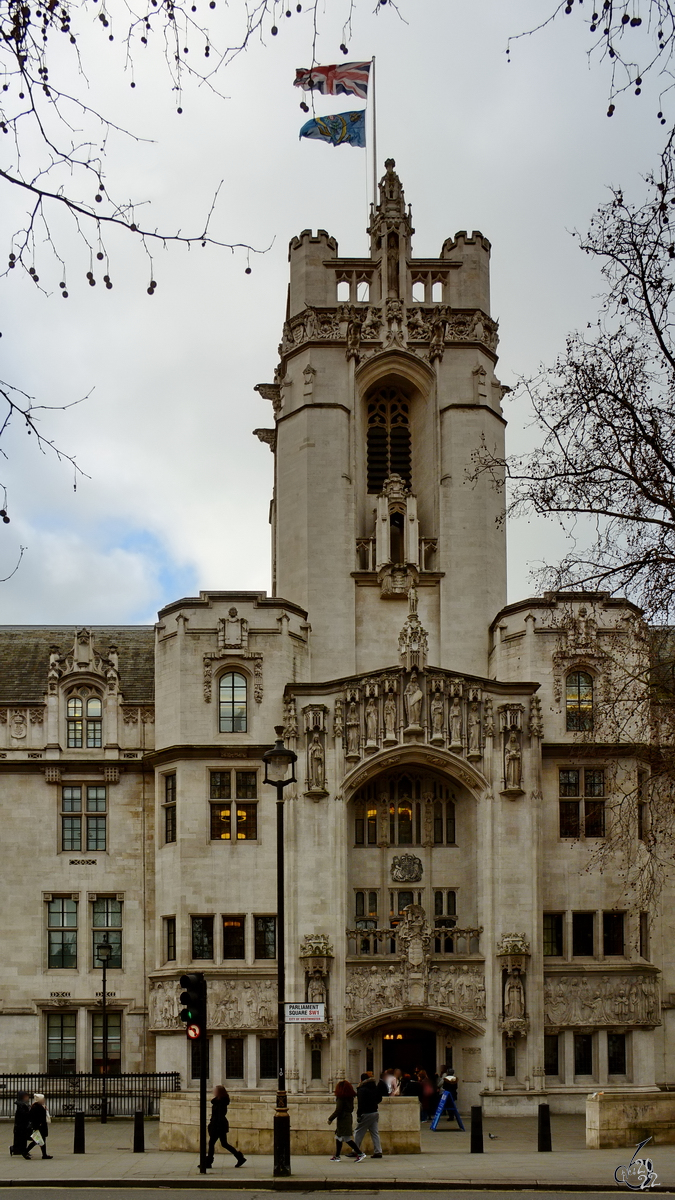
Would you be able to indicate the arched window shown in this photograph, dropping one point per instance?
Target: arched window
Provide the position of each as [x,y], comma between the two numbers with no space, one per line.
[232,703]
[84,720]
[388,437]
[404,808]
[579,701]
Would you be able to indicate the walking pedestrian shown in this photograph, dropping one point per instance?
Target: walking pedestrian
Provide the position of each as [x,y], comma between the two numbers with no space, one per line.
[22,1126]
[427,1095]
[368,1096]
[344,1108]
[39,1120]
[219,1126]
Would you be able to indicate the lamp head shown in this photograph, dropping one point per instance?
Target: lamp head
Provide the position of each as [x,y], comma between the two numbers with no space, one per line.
[278,760]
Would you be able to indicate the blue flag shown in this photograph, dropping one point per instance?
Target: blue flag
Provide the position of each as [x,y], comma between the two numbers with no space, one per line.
[339,129]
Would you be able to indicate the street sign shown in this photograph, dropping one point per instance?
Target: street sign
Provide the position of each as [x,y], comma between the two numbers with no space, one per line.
[299,1014]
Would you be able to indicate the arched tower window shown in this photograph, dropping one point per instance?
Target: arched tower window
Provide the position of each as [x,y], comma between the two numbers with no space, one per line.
[232,703]
[388,437]
[579,701]
[84,719]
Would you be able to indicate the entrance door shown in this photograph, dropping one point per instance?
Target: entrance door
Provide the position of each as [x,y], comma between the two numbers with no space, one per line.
[409,1048]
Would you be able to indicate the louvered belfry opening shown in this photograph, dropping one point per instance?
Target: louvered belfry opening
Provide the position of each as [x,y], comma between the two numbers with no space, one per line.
[388,437]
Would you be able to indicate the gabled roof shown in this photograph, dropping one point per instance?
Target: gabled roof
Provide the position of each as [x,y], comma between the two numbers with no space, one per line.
[24,659]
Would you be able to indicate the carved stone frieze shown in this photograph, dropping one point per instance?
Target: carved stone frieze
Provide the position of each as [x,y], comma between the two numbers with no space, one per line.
[247,1004]
[373,989]
[597,999]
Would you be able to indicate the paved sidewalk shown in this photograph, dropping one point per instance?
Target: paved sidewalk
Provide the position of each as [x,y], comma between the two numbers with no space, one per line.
[510,1160]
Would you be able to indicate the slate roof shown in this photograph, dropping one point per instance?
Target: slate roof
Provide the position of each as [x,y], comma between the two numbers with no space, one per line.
[24,659]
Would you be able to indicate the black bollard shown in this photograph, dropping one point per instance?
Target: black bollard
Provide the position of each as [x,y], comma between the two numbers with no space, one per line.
[543,1127]
[476,1129]
[78,1138]
[139,1132]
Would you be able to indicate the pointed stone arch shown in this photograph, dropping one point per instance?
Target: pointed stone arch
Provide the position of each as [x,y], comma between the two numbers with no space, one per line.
[443,761]
[416,1014]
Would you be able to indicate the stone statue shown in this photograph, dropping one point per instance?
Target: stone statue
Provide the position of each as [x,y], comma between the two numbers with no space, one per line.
[413,702]
[437,715]
[514,998]
[316,989]
[371,722]
[390,718]
[412,599]
[316,765]
[353,731]
[512,762]
[473,726]
[456,722]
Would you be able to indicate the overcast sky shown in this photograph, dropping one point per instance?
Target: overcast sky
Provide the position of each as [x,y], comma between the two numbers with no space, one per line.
[178,494]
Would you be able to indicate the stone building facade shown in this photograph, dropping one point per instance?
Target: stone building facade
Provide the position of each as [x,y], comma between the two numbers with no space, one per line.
[454,783]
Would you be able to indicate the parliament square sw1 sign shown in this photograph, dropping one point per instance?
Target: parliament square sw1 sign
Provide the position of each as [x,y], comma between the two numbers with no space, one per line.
[299,1014]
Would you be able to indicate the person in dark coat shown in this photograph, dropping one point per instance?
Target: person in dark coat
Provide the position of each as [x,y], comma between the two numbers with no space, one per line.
[219,1126]
[39,1123]
[22,1125]
[344,1129]
[369,1094]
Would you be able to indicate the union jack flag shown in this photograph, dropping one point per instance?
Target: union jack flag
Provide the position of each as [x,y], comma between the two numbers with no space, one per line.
[349,78]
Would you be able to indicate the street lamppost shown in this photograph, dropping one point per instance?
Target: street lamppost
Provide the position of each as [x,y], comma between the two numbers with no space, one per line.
[277,762]
[103,953]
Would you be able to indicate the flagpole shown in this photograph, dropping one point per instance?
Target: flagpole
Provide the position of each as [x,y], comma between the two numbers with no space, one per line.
[374,135]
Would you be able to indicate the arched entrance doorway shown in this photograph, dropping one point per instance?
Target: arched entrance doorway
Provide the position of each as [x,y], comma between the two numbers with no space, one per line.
[409,1047]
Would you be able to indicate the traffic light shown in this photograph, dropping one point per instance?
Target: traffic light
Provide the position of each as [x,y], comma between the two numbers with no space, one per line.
[194,1000]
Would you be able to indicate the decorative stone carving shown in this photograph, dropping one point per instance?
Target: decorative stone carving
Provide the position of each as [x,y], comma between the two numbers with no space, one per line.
[270,391]
[52,774]
[111,774]
[268,436]
[316,766]
[290,718]
[164,1003]
[232,631]
[413,698]
[390,714]
[510,716]
[353,727]
[406,868]
[374,989]
[455,722]
[513,943]
[536,719]
[413,640]
[248,1005]
[473,730]
[130,714]
[372,724]
[596,999]
[18,725]
[461,989]
[315,718]
[338,719]
[316,944]
[84,658]
[436,711]
[489,718]
[36,716]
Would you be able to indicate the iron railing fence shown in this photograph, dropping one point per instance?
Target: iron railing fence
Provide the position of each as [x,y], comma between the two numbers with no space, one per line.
[67,1094]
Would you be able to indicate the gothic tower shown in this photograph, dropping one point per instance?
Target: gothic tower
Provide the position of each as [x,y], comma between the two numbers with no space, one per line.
[384,392]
